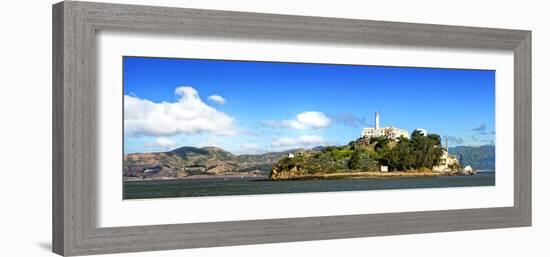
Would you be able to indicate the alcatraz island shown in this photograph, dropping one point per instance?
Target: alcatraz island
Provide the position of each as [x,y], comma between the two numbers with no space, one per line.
[380,152]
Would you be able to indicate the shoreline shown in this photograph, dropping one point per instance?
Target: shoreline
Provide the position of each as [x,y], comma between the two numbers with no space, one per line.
[317,176]
[129,179]
[365,175]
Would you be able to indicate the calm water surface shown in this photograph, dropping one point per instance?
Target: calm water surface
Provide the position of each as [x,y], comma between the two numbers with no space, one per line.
[246,186]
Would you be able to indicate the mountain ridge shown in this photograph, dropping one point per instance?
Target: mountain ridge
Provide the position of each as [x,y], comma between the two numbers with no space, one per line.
[480,157]
[187,161]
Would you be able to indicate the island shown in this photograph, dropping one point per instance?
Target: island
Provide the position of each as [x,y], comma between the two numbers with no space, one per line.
[372,157]
[379,158]
[379,153]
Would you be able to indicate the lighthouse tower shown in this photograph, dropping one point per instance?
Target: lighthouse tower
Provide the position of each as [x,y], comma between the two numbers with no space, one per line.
[377,120]
[377,131]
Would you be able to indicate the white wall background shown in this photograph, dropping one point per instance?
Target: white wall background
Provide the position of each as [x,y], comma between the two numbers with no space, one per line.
[25,127]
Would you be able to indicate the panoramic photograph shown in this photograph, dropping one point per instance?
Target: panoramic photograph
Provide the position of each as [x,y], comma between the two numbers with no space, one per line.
[198,127]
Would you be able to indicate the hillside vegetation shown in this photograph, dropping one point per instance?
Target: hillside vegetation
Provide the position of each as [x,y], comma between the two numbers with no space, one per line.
[419,153]
[416,155]
[190,161]
[480,157]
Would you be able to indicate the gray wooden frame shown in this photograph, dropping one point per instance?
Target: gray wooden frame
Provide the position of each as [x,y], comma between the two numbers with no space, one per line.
[75,25]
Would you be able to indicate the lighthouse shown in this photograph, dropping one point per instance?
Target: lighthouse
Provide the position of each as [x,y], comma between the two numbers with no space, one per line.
[377,131]
[377,120]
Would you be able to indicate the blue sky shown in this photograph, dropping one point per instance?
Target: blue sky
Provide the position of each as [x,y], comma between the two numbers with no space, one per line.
[253,107]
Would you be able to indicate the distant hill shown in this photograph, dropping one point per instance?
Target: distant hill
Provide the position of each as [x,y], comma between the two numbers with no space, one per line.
[212,161]
[189,161]
[480,157]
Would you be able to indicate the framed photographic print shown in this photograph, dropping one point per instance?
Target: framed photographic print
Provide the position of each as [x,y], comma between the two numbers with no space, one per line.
[214,128]
[286,128]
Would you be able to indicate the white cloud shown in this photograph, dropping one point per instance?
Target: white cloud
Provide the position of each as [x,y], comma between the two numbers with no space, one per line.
[248,147]
[301,141]
[189,115]
[304,120]
[161,142]
[313,119]
[217,99]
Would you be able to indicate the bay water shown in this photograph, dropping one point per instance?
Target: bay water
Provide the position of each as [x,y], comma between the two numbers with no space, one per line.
[250,186]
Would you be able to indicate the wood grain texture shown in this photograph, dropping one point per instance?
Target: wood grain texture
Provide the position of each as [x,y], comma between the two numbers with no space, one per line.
[74,126]
[58,230]
[522,129]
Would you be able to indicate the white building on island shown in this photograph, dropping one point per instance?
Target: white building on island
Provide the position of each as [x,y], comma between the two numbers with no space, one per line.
[447,162]
[378,131]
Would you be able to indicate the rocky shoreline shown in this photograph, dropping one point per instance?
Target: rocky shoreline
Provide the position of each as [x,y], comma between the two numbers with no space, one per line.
[360,175]
[283,176]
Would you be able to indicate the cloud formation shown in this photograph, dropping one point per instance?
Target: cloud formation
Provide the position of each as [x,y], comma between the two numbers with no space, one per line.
[481,128]
[189,115]
[455,140]
[348,119]
[161,142]
[217,99]
[304,120]
[301,141]
[248,147]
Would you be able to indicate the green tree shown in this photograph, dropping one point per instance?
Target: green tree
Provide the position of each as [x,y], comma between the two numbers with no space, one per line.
[363,159]
[380,143]
[426,150]
[420,152]
[401,156]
